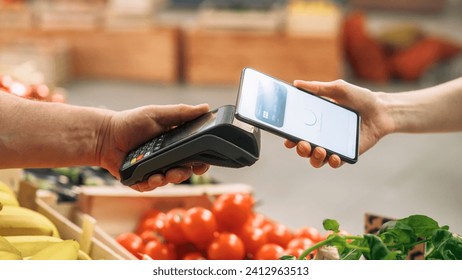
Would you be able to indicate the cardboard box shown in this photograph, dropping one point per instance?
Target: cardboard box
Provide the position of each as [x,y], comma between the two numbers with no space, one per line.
[218,56]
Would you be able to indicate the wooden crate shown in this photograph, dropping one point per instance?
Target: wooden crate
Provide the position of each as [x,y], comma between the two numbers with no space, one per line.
[11,177]
[69,222]
[218,56]
[147,55]
[118,209]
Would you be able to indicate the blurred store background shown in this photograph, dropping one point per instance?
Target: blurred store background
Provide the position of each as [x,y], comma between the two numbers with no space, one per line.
[120,54]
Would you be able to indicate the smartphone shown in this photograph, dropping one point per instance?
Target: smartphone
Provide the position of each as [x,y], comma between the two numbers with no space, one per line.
[296,114]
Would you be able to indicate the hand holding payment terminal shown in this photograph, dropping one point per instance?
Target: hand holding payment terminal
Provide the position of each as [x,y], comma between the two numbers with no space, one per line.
[215,138]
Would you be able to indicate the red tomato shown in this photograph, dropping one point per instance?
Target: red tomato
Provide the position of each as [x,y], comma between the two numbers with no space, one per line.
[309,232]
[257,220]
[149,235]
[199,225]
[296,252]
[232,210]
[194,256]
[278,234]
[226,246]
[269,251]
[154,223]
[132,242]
[156,250]
[253,239]
[301,243]
[172,230]
[150,213]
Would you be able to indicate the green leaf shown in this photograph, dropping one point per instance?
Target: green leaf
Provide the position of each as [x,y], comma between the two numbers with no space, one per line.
[422,226]
[444,246]
[288,258]
[378,250]
[354,253]
[332,225]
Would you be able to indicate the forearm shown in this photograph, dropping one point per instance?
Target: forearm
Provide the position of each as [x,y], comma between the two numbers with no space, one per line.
[434,109]
[40,134]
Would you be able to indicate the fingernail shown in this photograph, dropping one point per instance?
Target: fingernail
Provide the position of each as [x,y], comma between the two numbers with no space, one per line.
[317,154]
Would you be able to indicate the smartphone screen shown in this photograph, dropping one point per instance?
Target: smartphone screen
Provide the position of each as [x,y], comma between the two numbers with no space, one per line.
[295,114]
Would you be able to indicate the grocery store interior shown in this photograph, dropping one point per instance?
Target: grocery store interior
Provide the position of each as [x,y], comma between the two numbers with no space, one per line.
[124,54]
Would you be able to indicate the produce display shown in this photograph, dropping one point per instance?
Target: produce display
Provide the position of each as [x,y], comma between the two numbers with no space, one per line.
[232,230]
[229,230]
[26,234]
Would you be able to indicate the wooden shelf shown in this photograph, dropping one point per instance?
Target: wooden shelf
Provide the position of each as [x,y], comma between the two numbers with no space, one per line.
[217,57]
[147,55]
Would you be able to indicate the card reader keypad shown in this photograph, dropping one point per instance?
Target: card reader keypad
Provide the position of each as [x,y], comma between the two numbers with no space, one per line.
[144,151]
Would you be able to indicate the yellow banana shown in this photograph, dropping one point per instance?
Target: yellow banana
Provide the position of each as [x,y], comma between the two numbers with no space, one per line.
[24,221]
[8,251]
[6,189]
[1,206]
[64,250]
[29,245]
[5,255]
[6,245]
[83,256]
[8,199]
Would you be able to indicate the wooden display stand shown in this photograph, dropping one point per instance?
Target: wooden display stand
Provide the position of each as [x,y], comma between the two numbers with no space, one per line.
[146,55]
[218,56]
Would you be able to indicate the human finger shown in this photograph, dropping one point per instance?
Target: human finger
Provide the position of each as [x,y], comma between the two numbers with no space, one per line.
[335,161]
[304,149]
[178,174]
[318,157]
[154,181]
[289,144]
[200,168]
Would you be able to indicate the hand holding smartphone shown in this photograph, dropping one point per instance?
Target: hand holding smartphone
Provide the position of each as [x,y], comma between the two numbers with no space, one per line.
[295,114]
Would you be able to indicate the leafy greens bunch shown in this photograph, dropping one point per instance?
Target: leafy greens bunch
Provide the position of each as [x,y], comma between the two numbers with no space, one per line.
[394,241]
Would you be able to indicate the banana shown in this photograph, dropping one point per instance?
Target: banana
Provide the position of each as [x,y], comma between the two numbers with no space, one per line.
[1,206]
[29,245]
[8,251]
[83,256]
[24,221]
[64,250]
[6,189]
[8,199]
[5,255]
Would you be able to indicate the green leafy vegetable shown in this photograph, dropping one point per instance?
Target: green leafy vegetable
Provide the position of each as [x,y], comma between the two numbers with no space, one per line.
[394,241]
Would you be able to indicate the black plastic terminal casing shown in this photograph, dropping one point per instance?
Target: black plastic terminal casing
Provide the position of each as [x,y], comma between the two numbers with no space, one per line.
[216,138]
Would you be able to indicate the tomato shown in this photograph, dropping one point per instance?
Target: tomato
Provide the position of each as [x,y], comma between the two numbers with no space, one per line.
[232,210]
[152,222]
[149,235]
[172,231]
[226,246]
[194,256]
[278,234]
[253,239]
[198,225]
[296,252]
[157,250]
[309,232]
[269,251]
[132,242]
[300,242]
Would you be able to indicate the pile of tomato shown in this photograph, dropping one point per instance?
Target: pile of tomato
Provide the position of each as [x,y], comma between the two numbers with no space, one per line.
[35,91]
[230,230]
